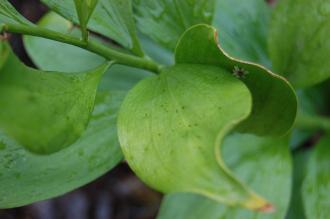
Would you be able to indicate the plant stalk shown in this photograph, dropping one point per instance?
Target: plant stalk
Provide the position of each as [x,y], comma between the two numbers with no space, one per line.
[95,47]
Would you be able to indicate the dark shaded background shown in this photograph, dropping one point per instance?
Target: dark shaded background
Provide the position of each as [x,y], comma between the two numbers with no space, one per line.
[117,195]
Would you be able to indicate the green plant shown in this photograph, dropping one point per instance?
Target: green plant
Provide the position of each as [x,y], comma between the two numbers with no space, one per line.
[178,94]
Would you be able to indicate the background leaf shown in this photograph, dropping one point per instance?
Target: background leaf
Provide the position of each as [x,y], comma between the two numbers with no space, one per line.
[156,51]
[45,111]
[166,20]
[301,54]
[296,210]
[274,100]
[244,29]
[264,163]
[50,55]
[170,133]
[27,178]
[111,18]
[8,14]
[317,182]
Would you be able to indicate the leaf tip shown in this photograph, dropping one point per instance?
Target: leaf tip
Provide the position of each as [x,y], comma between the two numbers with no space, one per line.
[267,208]
[259,204]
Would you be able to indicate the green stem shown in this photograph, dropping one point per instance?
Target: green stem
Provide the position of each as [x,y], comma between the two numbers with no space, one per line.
[95,47]
[312,122]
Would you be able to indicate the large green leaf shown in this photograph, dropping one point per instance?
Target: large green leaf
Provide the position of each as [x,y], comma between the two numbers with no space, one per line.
[112,18]
[84,10]
[27,178]
[165,20]
[274,100]
[50,55]
[45,111]
[298,41]
[244,28]
[8,14]
[262,162]
[317,182]
[170,127]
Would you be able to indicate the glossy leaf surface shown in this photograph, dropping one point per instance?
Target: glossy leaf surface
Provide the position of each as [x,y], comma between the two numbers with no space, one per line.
[274,100]
[27,177]
[243,27]
[264,163]
[298,41]
[171,126]
[8,14]
[50,55]
[45,111]
[317,182]
[166,20]
[112,18]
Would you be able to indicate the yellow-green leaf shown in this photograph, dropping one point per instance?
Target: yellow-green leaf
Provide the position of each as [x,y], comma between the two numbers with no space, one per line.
[171,126]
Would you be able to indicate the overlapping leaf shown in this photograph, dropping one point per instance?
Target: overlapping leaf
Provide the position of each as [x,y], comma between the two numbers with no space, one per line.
[112,18]
[170,128]
[254,162]
[45,111]
[317,182]
[166,20]
[298,41]
[27,178]
[50,55]
[274,101]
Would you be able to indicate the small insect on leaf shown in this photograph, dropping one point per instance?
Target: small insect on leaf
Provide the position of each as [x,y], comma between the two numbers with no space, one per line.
[240,72]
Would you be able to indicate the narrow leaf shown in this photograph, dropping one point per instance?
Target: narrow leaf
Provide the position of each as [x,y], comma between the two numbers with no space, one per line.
[170,127]
[301,54]
[166,20]
[27,178]
[84,10]
[45,111]
[274,100]
[254,162]
[317,182]
[112,18]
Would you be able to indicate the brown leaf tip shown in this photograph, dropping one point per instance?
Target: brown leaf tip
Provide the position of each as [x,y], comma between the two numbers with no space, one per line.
[268,208]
